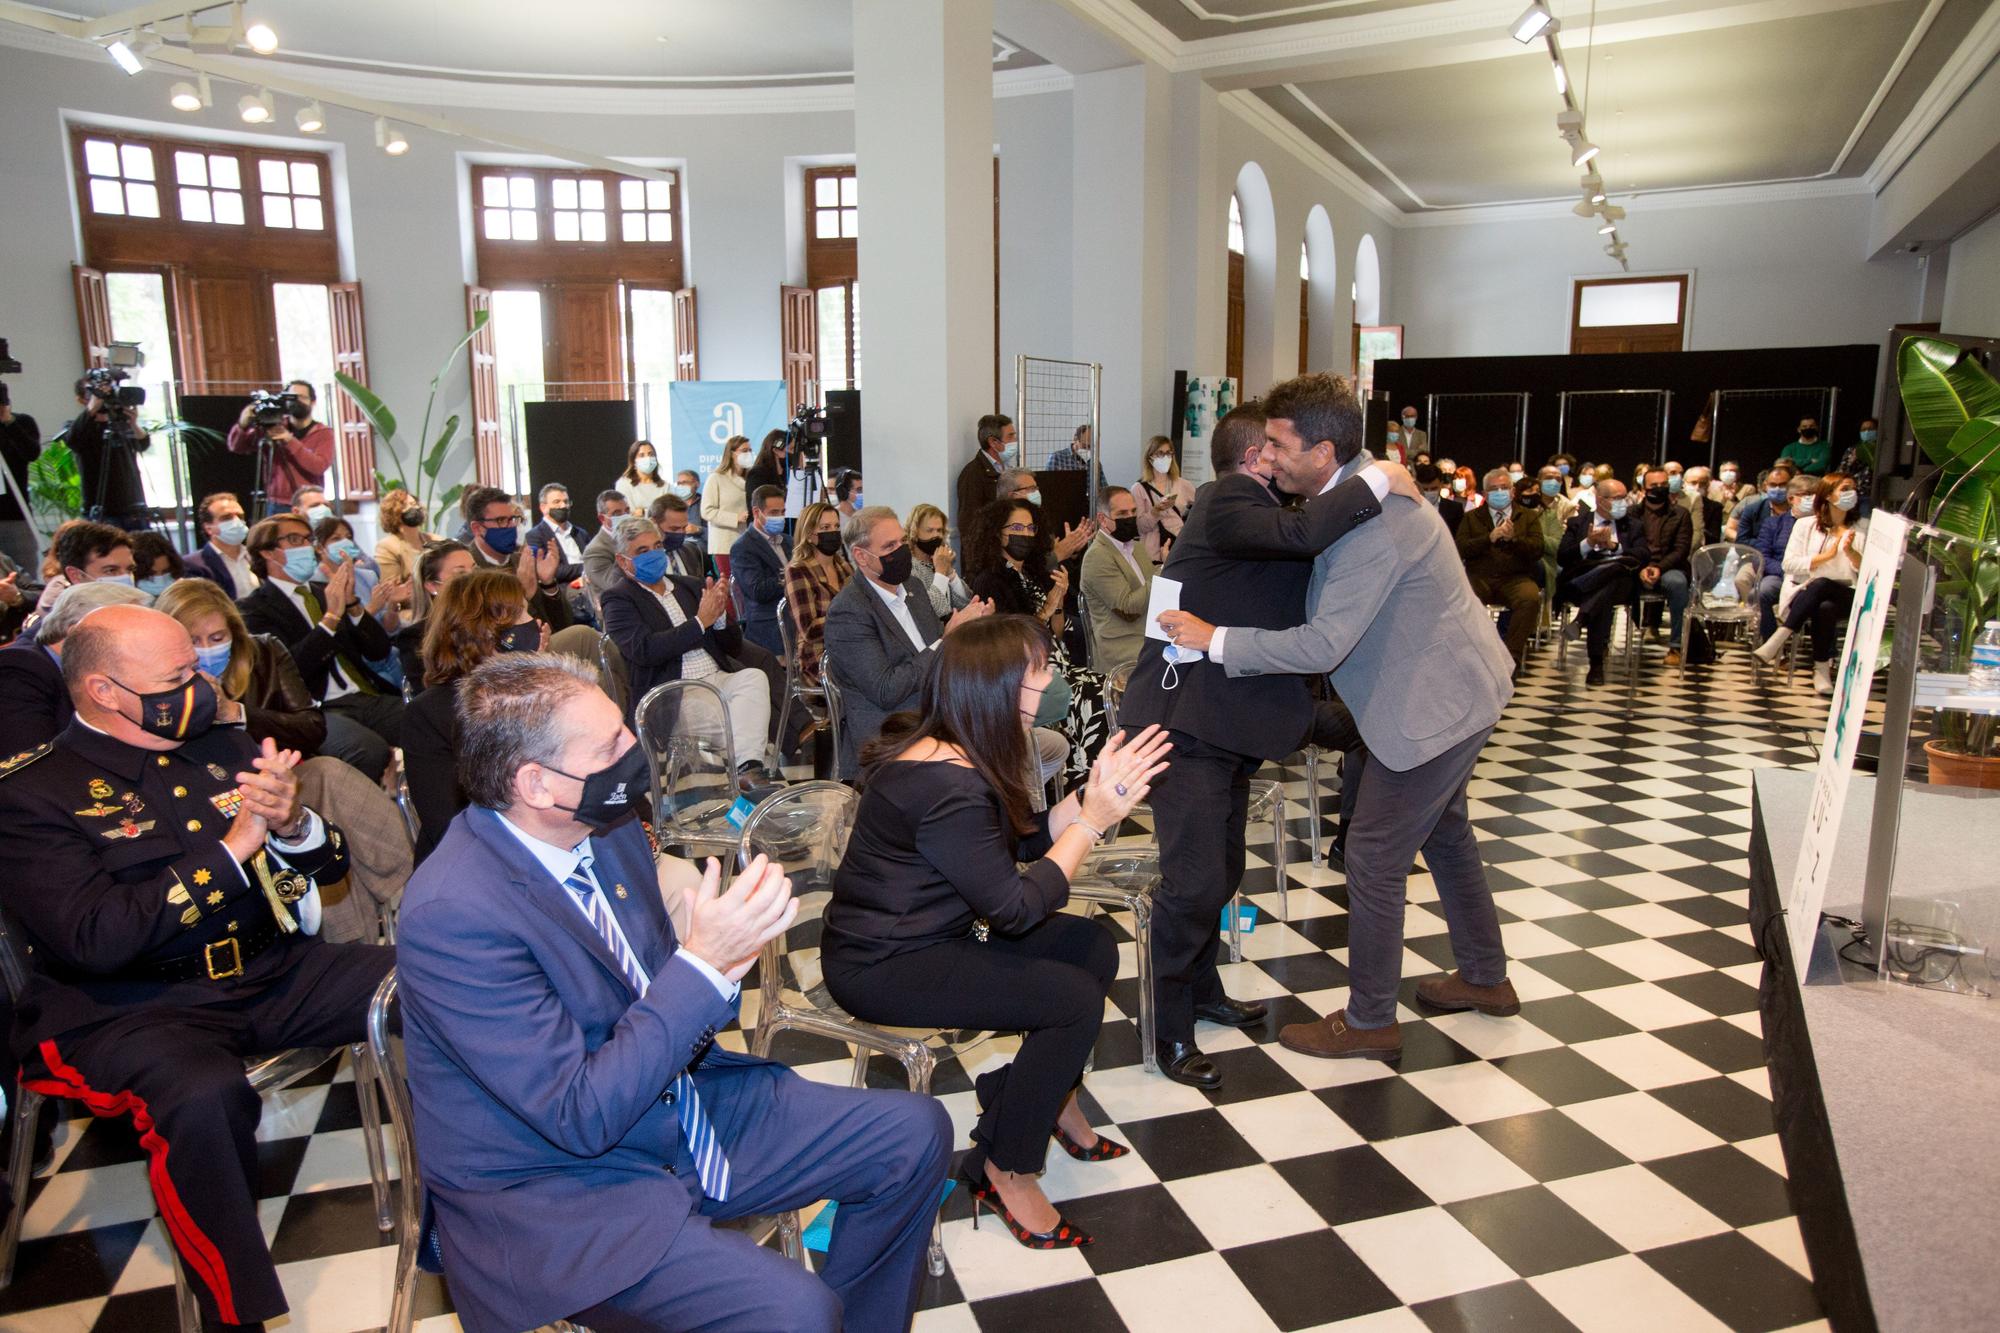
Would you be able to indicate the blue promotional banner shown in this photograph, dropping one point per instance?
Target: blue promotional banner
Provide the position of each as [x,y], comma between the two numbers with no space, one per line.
[704,413]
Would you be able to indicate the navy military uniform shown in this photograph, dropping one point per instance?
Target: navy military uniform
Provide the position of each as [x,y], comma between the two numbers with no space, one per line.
[158,964]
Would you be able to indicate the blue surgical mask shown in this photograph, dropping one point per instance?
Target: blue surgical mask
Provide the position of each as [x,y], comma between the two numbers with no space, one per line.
[647,466]
[155,584]
[214,660]
[341,551]
[1500,498]
[503,540]
[233,531]
[1550,485]
[854,497]
[1776,494]
[300,562]
[1617,509]
[650,567]
[122,580]
[774,524]
[1515,474]
[683,490]
[1563,468]
[1868,436]
[318,514]
[1033,497]
[1675,482]
[1843,501]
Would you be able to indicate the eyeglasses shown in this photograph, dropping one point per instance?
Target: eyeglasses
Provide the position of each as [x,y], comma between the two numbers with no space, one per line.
[289,540]
[1019,529]
[505,521]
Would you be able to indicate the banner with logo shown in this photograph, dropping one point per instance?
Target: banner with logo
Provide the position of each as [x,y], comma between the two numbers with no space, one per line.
[704,413]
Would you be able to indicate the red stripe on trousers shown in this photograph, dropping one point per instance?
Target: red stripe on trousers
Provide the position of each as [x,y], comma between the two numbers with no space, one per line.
[189,1239]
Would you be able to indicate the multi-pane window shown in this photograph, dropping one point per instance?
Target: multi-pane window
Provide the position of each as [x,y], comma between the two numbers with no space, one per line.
[646,210]
[292,194]
[579,208]
[836,210]
[507,204]
[210,187]
[121,178]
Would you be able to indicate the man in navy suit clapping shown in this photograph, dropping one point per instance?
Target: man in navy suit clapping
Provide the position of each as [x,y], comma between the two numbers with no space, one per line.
[581,1129]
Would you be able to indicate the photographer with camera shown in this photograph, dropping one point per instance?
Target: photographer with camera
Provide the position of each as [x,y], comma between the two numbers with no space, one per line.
[106,439]
[300,449]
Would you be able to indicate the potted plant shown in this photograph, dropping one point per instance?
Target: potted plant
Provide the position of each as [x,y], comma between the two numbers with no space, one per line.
[1953,407]
[419,475]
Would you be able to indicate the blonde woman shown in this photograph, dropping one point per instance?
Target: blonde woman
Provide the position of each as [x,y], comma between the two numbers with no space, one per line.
[259,684]
[725,503]
[819,569]
[1163,497]
[403,537]
[932,564]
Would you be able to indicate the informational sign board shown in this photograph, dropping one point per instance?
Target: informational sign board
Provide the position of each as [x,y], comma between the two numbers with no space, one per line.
[1881,556]
[705,413]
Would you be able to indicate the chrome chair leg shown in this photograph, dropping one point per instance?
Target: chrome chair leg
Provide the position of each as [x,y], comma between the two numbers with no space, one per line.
[368,1091]
[1313,804]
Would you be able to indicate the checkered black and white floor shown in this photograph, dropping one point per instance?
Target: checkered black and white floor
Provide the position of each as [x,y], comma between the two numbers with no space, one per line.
[1605,1161]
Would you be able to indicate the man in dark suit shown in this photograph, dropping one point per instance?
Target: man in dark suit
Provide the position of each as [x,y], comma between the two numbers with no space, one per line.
[185,937]
[312,610]
[880,631]
[1244,557]
[669,627]
[493,524]
[222,558]
[582,1129]
[600,562]
[1502,551]
[1669,530]
[757,568]
[979,479]
[1603,549]
[556,530]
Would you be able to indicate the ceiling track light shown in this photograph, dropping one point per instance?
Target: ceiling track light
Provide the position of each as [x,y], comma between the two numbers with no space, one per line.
[261,37]
[1535,21]
[310,118]
[1562,73]
[1583,151]
[123,56]
[256,108]
[390,139]
[184,97]
[1607,229]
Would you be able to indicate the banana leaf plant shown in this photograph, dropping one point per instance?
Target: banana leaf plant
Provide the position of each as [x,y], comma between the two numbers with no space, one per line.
[1953,406]
[413,466]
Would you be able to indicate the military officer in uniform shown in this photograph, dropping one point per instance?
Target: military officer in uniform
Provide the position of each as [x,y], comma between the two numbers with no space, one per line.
[165,876]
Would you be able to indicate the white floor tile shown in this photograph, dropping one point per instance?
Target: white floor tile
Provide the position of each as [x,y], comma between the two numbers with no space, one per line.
[1200,1291]
[99,1197]
[1648,960]
[1453,1164]
[1490,1038]
[1640,1126]
[1475,1091]
[1424,1254]
[1244,1206]
[988,1262]
[1643,1060]
[1623,1295]
[1647,1006]
[1296,1124]
[1636,1208]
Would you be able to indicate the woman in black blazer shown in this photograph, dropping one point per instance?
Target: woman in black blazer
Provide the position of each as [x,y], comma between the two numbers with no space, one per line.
[475,616]
[934,924]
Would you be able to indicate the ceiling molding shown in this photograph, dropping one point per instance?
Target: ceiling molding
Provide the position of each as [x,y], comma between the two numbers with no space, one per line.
[1972,58]
[1712,196]
[1260,116]
[1133,26]
[1318,113]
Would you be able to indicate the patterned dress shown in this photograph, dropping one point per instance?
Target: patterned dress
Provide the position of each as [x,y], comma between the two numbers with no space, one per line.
[809,591]
[1086,727]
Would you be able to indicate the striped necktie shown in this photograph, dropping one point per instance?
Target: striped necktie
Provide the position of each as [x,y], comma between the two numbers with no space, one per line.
[704,1145]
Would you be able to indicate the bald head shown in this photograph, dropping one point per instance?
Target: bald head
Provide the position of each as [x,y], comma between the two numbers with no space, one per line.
[117,653]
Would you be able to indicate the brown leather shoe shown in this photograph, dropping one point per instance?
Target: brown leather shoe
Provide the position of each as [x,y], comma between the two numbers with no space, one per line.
[1332,1039]
[1455,992]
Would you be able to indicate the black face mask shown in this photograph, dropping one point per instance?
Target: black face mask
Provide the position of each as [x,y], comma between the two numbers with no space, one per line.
[521,638]
[1125,529]
[608,793]
[559,515]
[896,566]
[827,543]
[413,518]
[179,714]
[1020,548]
[1656,496]
[929,545]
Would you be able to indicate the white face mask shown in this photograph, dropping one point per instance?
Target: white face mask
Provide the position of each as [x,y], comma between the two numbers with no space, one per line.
[1458,485]
[1409,423]
[1802,506]
[1729,476]
[1163,464]
[743,458]
[647,466]
[1083,451]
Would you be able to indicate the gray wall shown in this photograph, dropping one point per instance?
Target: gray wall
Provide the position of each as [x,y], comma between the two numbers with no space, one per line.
[1972,285]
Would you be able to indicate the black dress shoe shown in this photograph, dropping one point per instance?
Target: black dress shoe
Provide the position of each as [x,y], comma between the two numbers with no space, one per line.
[1231,1013]
[1183,1062]
[1336,858]
[1595,676]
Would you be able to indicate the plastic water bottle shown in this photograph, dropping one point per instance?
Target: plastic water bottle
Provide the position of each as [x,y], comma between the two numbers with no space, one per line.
[1984,678]
[1725,583]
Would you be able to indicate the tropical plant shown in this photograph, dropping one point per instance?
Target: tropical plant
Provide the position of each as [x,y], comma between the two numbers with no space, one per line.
[416,470]
[55,483]
[1953,406]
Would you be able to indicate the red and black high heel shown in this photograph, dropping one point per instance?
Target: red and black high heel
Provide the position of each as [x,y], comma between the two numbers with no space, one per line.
[1064,1237]
[1103,1151]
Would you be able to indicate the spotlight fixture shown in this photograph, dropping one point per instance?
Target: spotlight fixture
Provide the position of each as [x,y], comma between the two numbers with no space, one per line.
[256,108]
[1583,152]
[310,118]
[124,57]
[1597,195]
[1584,208]
[185,97]
[1535,21]
[261,37]
[1562,75]
[389,139]
[1607,229]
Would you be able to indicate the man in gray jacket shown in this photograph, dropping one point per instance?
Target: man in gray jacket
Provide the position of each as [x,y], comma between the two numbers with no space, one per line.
[1414,656]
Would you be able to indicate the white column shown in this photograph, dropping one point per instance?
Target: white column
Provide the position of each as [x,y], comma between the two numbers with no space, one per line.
[1120,205]
[923,147]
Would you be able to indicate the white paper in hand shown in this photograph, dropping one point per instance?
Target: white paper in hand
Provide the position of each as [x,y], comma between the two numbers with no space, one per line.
[1165,596]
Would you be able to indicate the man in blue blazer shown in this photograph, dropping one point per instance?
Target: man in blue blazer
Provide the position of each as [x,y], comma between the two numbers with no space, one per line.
[580,1129]
[757,568]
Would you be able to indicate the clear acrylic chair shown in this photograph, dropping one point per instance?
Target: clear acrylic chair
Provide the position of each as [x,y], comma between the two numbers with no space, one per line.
[1125,878]
[804,829]
[798,689]
[612,676]
[1714,600]
[693,776]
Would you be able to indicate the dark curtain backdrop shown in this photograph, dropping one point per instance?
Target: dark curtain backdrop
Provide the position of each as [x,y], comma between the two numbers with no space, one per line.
[581,445]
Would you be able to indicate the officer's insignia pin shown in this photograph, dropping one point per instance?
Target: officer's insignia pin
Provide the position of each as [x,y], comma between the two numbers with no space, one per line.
[619,889]
[215,899]
[100,810]
[127,829]
[228,802]
[203,875]
[177,894]
[190,916]
[100,790]
[217,772]
[132,803]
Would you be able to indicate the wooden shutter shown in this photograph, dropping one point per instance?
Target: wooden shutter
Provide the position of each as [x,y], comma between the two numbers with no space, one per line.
[1305,323]
[486,452]
[798,329]
[93,315]
[234,318]
[188,357]
[1233,345]
[687,338]
[586,338]
[350,358]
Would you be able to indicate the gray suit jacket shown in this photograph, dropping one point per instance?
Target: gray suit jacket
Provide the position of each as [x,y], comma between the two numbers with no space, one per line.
[1117,598]
[873,662]
[1411,651]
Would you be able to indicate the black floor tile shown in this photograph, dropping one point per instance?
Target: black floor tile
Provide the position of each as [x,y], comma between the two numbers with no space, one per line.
[1722,1106]
[1533,1231]
[150,1311]
[1728,1182]
[1305,972]
[1548,1145]
[1385,1108]
[1427,1047]
[1721,1046]
[1560,1076]
[1249,1074]
[1132,1228]
[74,1267]
[328,1222]
[1350,1184]
[1309,1279]
[1721,995]
[1587,930]
[1573,1018]
[1737,1281]
[1509,1305]
[1580,971]
[1081,1307]
[1190,1144]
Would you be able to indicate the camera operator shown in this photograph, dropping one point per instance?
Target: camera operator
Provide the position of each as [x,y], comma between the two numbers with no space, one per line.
[106,439]
[301,448]
[21,444]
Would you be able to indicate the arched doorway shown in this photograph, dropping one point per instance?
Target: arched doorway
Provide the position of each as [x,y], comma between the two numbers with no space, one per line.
[1319,339]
